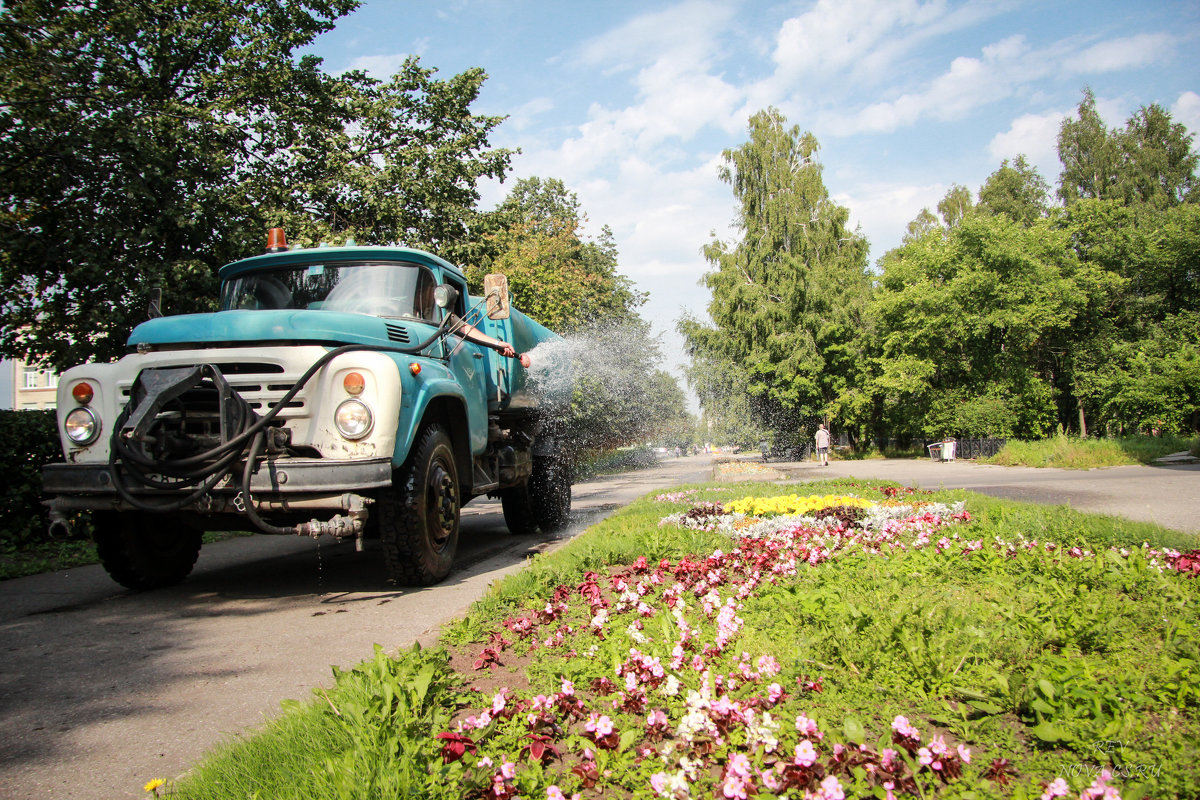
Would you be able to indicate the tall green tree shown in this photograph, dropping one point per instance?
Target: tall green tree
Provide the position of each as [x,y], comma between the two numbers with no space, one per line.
[975,322]
[788,297]
[146,144]
[1148,162]
[1016,190]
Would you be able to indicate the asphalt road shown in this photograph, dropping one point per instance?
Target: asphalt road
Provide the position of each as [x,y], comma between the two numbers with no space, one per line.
[1166,495]
[102,689]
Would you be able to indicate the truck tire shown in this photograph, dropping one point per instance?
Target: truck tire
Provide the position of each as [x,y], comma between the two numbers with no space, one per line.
[518,511]
[419,516]
[145,551]
[550,494]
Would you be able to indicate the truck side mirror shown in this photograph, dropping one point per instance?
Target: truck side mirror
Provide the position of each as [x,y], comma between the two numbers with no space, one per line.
[445,295]
[495,289]
[155,309]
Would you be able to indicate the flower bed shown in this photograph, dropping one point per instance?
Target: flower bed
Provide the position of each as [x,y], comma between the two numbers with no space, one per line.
[863,641]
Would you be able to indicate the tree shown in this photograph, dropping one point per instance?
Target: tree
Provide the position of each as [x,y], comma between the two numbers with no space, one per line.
[555,275]
[146,144]
[973,326]
[1018,192]
[403,167]
[955,205]
[1150,161]
[788,297]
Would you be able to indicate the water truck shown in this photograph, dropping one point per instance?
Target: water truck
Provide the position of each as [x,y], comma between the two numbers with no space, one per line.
[357,392]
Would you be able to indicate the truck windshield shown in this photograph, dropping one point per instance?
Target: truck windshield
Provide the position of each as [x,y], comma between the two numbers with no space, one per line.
[381,289]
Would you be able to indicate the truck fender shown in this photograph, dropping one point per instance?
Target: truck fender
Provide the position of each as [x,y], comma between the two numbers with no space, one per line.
[439,399]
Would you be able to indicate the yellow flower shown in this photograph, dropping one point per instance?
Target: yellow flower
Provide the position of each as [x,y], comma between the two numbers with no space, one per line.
[152,785]
[792,504]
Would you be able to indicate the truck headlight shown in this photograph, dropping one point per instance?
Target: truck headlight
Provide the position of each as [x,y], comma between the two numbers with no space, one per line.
[353,419]
[81,426]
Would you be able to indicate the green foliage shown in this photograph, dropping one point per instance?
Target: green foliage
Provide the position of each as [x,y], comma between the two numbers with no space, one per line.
[30,442]
[146,144]
[788,298]
[1071,452]
[555,275]
[370,736]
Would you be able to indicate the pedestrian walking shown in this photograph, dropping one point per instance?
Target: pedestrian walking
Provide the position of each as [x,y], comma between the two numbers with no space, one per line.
[822,438]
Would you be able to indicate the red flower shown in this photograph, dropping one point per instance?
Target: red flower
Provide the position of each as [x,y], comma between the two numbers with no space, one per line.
[455,747]
[488,658]
[540,748]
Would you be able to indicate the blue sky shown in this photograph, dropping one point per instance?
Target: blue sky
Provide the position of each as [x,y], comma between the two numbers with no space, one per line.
[631,104]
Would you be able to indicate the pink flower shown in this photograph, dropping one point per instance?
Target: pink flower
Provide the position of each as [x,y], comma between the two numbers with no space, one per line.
[1057,788]
[807,726]
[739,765]
[508,770]
[965,754]
[658,782]
[768,666]
[900,725]
[831,789]
[568,688]
[806,754]
[599,724]
[734,788]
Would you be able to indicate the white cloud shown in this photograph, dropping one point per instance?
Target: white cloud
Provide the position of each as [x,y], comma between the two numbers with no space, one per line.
[1129,52]
[526,114]
[883,210]
[683,32]
[380,67]
[1033,135]
[968,83]
[1187,111]
[866,37]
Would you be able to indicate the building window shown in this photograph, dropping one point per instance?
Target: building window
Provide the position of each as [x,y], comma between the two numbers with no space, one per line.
[31,378]
[51,380]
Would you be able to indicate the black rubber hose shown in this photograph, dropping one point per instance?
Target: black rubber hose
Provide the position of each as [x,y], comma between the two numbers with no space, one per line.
[210,466]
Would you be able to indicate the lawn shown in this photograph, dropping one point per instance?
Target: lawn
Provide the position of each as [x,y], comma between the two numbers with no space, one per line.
[825,640]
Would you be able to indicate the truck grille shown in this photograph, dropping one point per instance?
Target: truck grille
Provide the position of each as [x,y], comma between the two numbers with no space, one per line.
[249,379]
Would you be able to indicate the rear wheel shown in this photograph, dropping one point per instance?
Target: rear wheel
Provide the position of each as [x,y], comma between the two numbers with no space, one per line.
[145,551]
[550,494]
[544,502]
[419,516]
[518,511]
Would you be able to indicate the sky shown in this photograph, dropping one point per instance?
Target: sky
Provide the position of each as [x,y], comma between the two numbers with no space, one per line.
[631,104]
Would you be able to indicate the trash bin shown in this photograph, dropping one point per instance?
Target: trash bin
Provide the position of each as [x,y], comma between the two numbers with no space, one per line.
[935,451]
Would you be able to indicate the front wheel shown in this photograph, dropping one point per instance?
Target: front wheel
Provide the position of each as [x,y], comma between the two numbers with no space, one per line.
[145,551]
[419,515]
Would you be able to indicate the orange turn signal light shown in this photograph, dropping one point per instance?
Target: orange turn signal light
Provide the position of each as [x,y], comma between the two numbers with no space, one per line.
[354,383]
[83,393]
[414,368]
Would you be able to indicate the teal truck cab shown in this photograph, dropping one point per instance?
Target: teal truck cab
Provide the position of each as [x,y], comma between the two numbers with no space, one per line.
[350,391]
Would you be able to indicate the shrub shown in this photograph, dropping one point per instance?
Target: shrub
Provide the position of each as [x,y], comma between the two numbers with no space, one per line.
[30,442]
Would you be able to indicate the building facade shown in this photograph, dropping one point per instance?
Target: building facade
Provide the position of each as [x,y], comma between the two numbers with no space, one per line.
[30,387]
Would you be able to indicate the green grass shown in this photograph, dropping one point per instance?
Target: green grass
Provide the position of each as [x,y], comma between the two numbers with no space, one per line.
[1059,664]
[1071,452]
